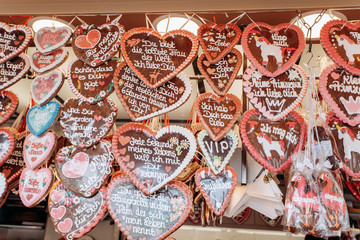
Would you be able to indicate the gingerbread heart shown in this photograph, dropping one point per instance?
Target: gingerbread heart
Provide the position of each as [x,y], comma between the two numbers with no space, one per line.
[164,154]
[339,38]
[172,207]
[48,39]
[242,216]
[275,97]
[217,114]
[34,185]
[272,50]
[3,188]
[92,84]
[37,150]
[13,70]
[40,118]
[7,144]
[217,154]
[221,74]
[74,216]
[14,39]
[218,40]
[95,45]
[42,63]
[339,88]
[84,171]
[45,87]
[8,105]
[84,124]
[14,164]
[269,221]
[156,59]
[347,142]
[142,102]
[216,190]
[272,143]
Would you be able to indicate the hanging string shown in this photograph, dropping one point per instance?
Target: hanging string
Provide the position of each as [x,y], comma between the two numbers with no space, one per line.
[189,18]
[237,18]
[188,121]
[143,125]
[117,19]
[107,18]
[253,21]
[204,20]
[72,20]
[168,23]
[149,22]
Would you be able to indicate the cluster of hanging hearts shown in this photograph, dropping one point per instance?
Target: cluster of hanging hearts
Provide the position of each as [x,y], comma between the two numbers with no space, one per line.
[149,199]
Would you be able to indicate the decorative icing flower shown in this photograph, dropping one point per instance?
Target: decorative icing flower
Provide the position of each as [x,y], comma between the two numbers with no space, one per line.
[184,144]
[91,99]
[76,200]
[121,82]
[217,161]
[102,93]
[67,202]
[293,75]
[174,140]
[221,84]
[257,75]
[181,90]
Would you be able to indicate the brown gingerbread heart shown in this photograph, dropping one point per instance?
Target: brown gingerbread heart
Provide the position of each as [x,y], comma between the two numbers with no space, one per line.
[13,70]
[156,59]
[217,114]
[8,105]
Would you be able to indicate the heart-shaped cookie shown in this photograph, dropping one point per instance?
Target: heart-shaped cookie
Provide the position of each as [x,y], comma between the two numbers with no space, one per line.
[15,39]
[272,143]
[152,159]
[95,45]
[275,97]
[7,144]
[14,164]
[217,114]
[44,87]
[217,154]
[216,189]
[74,216]
[150,218]
[347,143]
[142,102]
[218,40]
[13,70]
[48,39]
[269,221]
[8,105]
[156,59]
[84,171]
[37,150]
[242,216]
[40,118]
[340,40]
[34,185]
[339,88]
[221,74]
[42,63]
[272,50]
[92,84]
[84,124]
[3,188]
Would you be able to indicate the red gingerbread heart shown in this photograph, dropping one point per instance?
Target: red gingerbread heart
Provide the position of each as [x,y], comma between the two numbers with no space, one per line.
[273,50]
[44,87]
[156,59]
[42,63]
[340,39]
[48,39]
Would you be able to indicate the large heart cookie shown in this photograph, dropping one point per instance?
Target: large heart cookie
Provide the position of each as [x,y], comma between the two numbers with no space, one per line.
[74,216]
[14,40]
[44,87]
[40,118]
[272,143]
[37,150]
[275,97]
[7,144]
[150,218]
[14,164]
[216,190]
[347,139]
[218,115]
[48,39]
[95,45]
[42,63]
[272,50]
[218,40]
[92,84]
[340,90]
[340,39]
[34,185]
[156,59]
[152,159]
[8,105]
[13,70]
[84,124]
[142,102]
[84,171]
[217,154]
[221,74]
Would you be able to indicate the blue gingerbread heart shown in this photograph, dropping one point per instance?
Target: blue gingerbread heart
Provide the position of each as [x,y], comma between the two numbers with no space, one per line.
[40,118]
